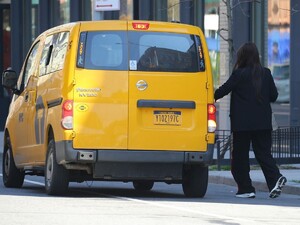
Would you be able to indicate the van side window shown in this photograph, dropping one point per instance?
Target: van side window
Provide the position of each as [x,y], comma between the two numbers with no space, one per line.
[103,51]
[30,66]
[201,58]
[154,51]
[46,54]
[54,53]
[59,51]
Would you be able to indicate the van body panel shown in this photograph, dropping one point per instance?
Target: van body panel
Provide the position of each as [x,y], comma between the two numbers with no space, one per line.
[101,95]
[147,130]
[189,133]
[100,109]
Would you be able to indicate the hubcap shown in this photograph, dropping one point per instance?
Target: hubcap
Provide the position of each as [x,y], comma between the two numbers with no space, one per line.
[7,162]
[49,170]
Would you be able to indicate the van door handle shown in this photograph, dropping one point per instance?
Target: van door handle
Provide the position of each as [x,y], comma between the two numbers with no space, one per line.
[146,103]
[26,97]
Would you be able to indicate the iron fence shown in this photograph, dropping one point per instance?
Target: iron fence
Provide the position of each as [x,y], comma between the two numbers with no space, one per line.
[285,146]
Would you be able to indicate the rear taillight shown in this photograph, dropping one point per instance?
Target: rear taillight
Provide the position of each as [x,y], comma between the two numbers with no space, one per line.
[212,123]
[67,115]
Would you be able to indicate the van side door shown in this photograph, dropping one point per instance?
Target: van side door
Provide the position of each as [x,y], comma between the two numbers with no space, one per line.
[22,104]
[48,90]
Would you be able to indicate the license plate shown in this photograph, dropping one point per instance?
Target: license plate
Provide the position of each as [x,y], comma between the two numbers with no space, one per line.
[167,118]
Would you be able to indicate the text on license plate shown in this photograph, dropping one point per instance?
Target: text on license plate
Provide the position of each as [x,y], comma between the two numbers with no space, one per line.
[167,118]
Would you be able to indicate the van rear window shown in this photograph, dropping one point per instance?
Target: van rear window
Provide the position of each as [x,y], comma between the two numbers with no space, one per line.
[148,51]
[153,51]
[103,51]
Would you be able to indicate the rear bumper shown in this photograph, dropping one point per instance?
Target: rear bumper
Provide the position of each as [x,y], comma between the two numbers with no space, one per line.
[65,153]
[129,165]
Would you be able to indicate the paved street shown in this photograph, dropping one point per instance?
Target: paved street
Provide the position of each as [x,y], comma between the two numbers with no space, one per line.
[117,203]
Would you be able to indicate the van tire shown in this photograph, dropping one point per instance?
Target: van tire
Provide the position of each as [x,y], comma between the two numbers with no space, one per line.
[12,176]
[195,181]
[143,185]
[56,176]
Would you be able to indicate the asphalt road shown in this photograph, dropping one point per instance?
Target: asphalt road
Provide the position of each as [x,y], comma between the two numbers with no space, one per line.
[118,203]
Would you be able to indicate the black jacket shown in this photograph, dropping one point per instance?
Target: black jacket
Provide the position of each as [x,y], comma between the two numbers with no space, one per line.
[246,112]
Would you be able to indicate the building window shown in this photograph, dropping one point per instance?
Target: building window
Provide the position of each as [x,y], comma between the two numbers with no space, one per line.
[34,18]
[211,26]
[279,45]
[64,11]
[125,12]
[173,10]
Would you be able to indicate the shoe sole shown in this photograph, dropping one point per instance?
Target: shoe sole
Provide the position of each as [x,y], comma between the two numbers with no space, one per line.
[245,195]
[276,191]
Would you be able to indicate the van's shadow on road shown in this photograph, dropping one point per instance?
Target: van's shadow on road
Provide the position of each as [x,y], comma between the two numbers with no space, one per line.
[219,194]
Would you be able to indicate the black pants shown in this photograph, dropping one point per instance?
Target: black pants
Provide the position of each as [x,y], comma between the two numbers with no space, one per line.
[240,167]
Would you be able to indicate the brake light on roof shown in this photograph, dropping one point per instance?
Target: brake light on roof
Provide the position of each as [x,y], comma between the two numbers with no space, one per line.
[67,115]
[140,26]
[212,122]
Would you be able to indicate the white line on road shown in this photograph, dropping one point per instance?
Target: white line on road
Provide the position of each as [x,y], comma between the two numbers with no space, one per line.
[222,217]
[185,209]
[213,215]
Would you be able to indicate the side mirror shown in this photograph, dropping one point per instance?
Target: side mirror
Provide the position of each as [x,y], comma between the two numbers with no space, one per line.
[9,79]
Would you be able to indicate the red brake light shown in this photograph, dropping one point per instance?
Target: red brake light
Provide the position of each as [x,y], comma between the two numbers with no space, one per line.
[211,109]
[68,106]
[212,123]
[140,26]
[67,115]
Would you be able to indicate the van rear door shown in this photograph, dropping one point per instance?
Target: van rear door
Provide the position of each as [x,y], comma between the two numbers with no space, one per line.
[167,88]
[101,87]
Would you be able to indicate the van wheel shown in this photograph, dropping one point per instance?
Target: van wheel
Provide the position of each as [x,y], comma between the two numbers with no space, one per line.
[12,176]
[56,176]
[143,185]
[195,181]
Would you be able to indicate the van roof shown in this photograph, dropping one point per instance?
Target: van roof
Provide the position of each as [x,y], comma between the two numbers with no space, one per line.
[158,25]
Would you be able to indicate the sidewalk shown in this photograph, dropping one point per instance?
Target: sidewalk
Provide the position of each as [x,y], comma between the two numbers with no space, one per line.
[224,177]
[258,180]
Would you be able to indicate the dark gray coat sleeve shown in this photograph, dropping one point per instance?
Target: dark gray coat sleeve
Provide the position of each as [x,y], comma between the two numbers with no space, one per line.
[228,86]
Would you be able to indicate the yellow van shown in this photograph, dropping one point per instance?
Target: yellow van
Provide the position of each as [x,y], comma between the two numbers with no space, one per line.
[124,101]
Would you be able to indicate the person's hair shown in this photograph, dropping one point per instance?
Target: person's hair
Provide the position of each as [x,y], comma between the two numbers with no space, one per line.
[248,56]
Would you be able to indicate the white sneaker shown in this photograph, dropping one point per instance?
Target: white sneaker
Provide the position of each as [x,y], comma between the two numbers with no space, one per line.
[276,191]
[245,195]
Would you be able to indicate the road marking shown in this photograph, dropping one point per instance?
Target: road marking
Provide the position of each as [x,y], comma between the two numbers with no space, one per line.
[168,206]
[213,215]
[34,182]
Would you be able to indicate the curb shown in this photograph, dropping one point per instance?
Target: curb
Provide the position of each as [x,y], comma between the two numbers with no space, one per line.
[259,186]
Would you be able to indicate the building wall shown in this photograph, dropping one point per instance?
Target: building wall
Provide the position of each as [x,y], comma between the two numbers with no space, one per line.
[32,17]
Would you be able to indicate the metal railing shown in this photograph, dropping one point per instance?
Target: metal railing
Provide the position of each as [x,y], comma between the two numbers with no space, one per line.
[285,146]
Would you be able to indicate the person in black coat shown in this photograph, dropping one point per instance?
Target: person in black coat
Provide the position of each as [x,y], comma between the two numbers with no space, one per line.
[252,90]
